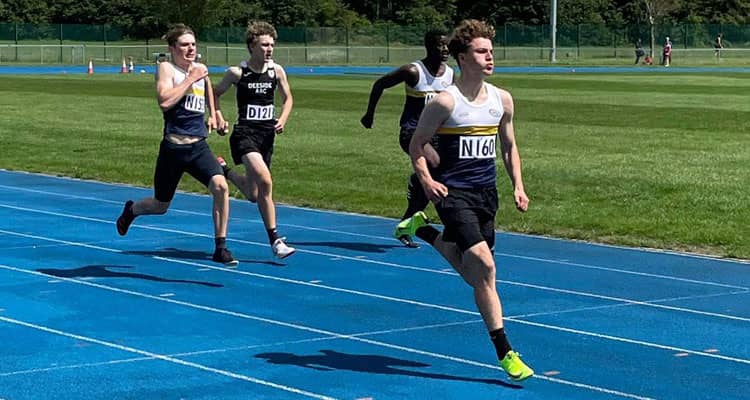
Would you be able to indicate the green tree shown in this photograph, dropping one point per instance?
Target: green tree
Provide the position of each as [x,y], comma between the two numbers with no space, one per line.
[27,11]
[716,12]
[573,12]
[336,13]
[427,13]
[656,11]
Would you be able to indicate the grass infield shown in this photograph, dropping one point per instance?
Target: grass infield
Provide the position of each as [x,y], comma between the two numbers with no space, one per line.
[656,160]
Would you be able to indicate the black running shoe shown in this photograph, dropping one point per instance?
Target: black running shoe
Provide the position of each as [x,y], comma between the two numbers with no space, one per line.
[126,218]
[224,256]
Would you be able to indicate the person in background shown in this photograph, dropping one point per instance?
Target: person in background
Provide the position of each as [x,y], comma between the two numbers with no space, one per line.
[667,53]
[423,79]
[718,45]
[639,52]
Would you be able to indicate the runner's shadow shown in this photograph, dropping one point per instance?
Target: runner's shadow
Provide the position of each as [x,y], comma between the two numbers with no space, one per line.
[171,252]
[331,360]
[102,271]
[356,246]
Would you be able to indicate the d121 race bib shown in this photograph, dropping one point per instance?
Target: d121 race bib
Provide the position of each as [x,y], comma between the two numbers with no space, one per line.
[477,147]
[259,113]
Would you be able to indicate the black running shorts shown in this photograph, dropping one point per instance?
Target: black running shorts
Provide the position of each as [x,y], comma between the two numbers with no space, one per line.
[245,139]
[469,216]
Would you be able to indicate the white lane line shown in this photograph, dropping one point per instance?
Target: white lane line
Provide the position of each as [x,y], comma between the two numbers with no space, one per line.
[631,341]
[592,308]
[394,299]
[166,358]
[324,332]
[622,271]
[394,265]
[231,349]
[121,186]
[538,259]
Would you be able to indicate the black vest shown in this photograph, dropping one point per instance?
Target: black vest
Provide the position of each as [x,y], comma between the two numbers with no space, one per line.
[255,97]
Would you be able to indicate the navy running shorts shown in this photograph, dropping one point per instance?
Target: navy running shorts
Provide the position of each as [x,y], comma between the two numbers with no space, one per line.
[469,216]
[175,159]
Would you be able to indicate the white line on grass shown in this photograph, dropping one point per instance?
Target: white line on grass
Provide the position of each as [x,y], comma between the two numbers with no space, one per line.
[166,358]
[325,332]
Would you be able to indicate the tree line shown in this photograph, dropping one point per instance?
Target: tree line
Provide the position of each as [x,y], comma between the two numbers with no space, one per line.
[149,18]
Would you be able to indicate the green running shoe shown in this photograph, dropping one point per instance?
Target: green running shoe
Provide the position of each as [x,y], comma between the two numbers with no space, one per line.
[515,368]
[409,226]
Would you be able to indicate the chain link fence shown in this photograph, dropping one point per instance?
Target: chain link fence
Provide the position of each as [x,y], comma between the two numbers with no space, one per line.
[372,45]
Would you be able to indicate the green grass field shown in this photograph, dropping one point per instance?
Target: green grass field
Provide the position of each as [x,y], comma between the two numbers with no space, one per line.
[658,160]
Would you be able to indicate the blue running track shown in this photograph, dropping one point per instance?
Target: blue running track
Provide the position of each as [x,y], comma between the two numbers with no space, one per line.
[87,314]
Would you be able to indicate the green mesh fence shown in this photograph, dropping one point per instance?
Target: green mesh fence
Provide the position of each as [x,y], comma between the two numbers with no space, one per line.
[376,44]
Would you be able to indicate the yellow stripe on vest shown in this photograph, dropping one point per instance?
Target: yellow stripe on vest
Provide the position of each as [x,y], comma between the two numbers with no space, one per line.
[468,130]
[417,93]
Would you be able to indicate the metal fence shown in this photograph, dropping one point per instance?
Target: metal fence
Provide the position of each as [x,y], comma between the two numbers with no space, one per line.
[376,44]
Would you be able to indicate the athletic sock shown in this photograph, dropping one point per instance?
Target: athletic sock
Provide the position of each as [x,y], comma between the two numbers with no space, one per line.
[502,347]
[129,212]
[221,242]
[272,235]
[428,233]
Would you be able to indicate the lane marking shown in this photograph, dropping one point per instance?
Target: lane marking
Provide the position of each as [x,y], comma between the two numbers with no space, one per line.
[327,332]
[165,358]
[407,301]
[394,265]
[230,349]
[388,238]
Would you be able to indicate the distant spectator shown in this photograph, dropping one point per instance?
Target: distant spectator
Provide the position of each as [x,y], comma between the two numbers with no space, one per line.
[667,53]
[638,51]
[718,45]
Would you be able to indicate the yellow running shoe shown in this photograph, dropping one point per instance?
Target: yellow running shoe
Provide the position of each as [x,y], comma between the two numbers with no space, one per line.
[515,368]
[409,226]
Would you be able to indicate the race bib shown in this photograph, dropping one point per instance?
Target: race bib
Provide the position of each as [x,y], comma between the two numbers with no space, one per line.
[195,103]
[472,147]
[428,97]
[259,113]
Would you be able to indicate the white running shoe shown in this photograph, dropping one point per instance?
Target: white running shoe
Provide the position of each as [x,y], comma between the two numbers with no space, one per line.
[281,249]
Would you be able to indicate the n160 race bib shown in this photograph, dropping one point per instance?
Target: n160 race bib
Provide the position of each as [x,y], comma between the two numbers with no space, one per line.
[477,147]
[259,113]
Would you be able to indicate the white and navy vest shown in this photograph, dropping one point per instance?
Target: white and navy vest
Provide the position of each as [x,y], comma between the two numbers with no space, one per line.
[187,117]
[467,141]
[420,94]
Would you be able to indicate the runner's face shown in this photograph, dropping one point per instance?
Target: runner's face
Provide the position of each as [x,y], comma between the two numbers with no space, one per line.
[479,56]
[263,46]
[184,49]
[439,49]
